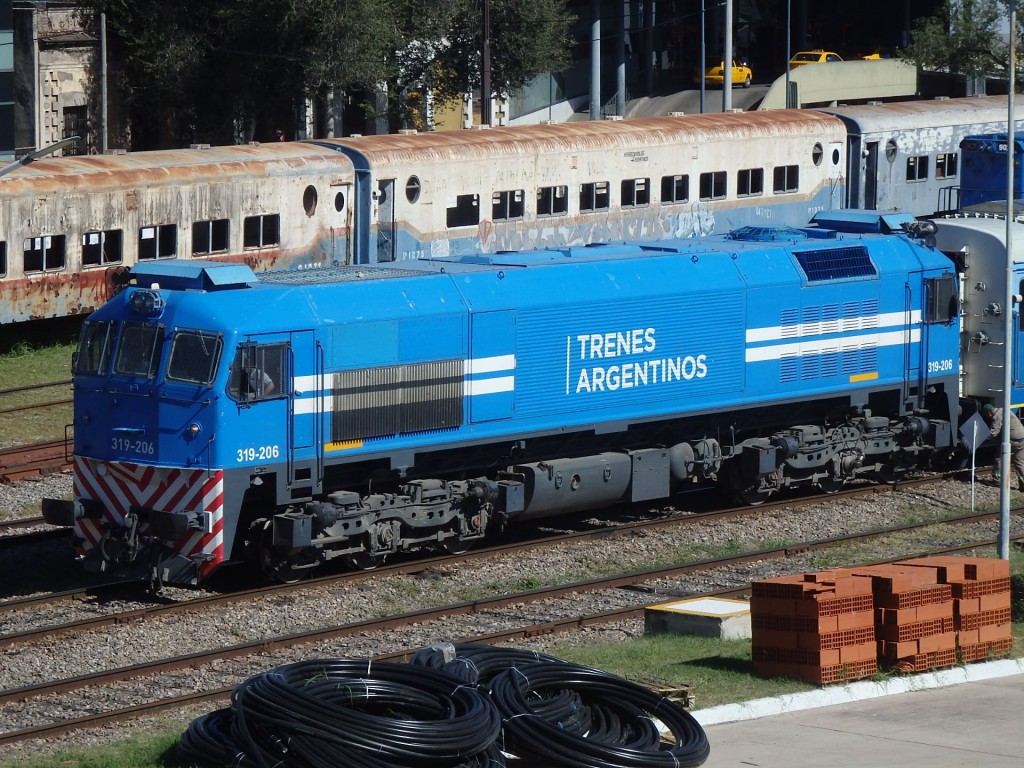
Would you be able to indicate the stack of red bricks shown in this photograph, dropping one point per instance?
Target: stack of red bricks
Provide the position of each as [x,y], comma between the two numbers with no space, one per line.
[817,627]
[911,616]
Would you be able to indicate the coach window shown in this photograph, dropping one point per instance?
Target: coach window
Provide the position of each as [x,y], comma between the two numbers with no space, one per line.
[553,201]
[3,258]
[258,372]
[635,192]
[138,350]
[890,150]
[45,254]
[507,205]
[750,182]
[917,168]
[946,165]
[158,242]
[786,178]
[339,202]
[194,357]
[309,200]
[817,154]
[465,212]
[412,189]
[594,196]
[210,237]
[261,231]
[675,189]
[713,185]
[99,248]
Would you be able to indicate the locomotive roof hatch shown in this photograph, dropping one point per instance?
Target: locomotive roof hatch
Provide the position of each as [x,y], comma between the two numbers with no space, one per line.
[184,275]
[857,221]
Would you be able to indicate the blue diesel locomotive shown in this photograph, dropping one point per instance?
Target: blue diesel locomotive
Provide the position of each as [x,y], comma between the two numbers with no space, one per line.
[295,417]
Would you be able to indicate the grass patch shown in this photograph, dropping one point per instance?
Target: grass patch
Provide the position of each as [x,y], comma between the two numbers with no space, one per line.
[24,363]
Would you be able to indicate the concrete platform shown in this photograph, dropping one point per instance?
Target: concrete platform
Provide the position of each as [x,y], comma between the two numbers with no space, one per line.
[969,716]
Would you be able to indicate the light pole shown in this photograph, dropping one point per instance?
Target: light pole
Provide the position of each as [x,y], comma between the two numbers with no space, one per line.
[789,53]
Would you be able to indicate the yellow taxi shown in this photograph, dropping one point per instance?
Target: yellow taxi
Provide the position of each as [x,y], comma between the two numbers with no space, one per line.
[816,56]
[741,74]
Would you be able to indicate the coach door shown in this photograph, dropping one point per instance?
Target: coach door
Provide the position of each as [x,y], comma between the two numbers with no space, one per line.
[305,416]
[342,232]
[386,220]
[870,176]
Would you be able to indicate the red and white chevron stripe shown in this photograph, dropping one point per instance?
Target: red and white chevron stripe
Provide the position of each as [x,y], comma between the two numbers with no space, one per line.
[121,485]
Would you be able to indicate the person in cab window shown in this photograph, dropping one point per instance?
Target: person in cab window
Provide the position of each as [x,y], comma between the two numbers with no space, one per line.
[260,383]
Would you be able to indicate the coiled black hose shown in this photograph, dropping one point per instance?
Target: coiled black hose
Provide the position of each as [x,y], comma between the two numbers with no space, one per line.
[356,714]
[446,709]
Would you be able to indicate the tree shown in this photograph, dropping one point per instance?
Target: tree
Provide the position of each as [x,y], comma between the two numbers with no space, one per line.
[234,70]
[963,37]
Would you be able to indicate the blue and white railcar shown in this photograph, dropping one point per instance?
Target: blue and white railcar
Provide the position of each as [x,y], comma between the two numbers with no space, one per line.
[905,156]
[356,412]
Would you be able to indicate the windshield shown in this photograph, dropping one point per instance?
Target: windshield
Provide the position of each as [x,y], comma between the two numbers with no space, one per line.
[194,357]
[93,348]
[138,350]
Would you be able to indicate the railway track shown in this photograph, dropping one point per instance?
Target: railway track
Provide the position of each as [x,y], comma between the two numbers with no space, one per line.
[547,610]
[26,461]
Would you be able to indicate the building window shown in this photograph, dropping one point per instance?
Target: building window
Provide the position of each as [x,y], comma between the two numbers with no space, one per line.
[210,237]
[594,196]
[917,168]
[45,254]
[636,192]
[261,231]
[510,204]
[160,242]
[750,182]
[786,179]
[713,185]
[946,165]
[552,201]
[675,189]
[465,212]
[75,124]
[99,248]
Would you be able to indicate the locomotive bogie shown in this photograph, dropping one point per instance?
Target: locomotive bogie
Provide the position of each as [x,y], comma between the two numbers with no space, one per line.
[357,412]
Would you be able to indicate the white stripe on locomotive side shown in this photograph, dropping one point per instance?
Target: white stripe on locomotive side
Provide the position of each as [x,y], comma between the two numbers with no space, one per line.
[837,325]
[307,386]
[822,346]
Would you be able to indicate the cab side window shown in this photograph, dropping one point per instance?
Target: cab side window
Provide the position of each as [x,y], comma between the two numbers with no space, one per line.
[259,372]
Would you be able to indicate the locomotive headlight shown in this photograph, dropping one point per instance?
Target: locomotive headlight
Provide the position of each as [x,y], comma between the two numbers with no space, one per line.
[146,302]
[193,429]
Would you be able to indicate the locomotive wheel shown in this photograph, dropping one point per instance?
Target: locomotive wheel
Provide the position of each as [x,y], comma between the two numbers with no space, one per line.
[359,561]
[271,565]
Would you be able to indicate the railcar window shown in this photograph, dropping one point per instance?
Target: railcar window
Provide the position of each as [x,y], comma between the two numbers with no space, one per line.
[675,189]
[713,185]
[594,196]
[553,201]
[211,237]
[946,165]
[99,248]
[786,178]
[309,200]
[93,348]
[45,254]
[635,192]
[465,212]
[160,242]
[510,204]
[258,372]
[194,357]
[261,231]
[917,168]
[3,258]
[138,350]
[817,154]
[750,182]
[412,189]
[339,202]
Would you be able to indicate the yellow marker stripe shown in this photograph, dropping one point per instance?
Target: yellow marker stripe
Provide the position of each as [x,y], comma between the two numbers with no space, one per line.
[864,377]
[344,445]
